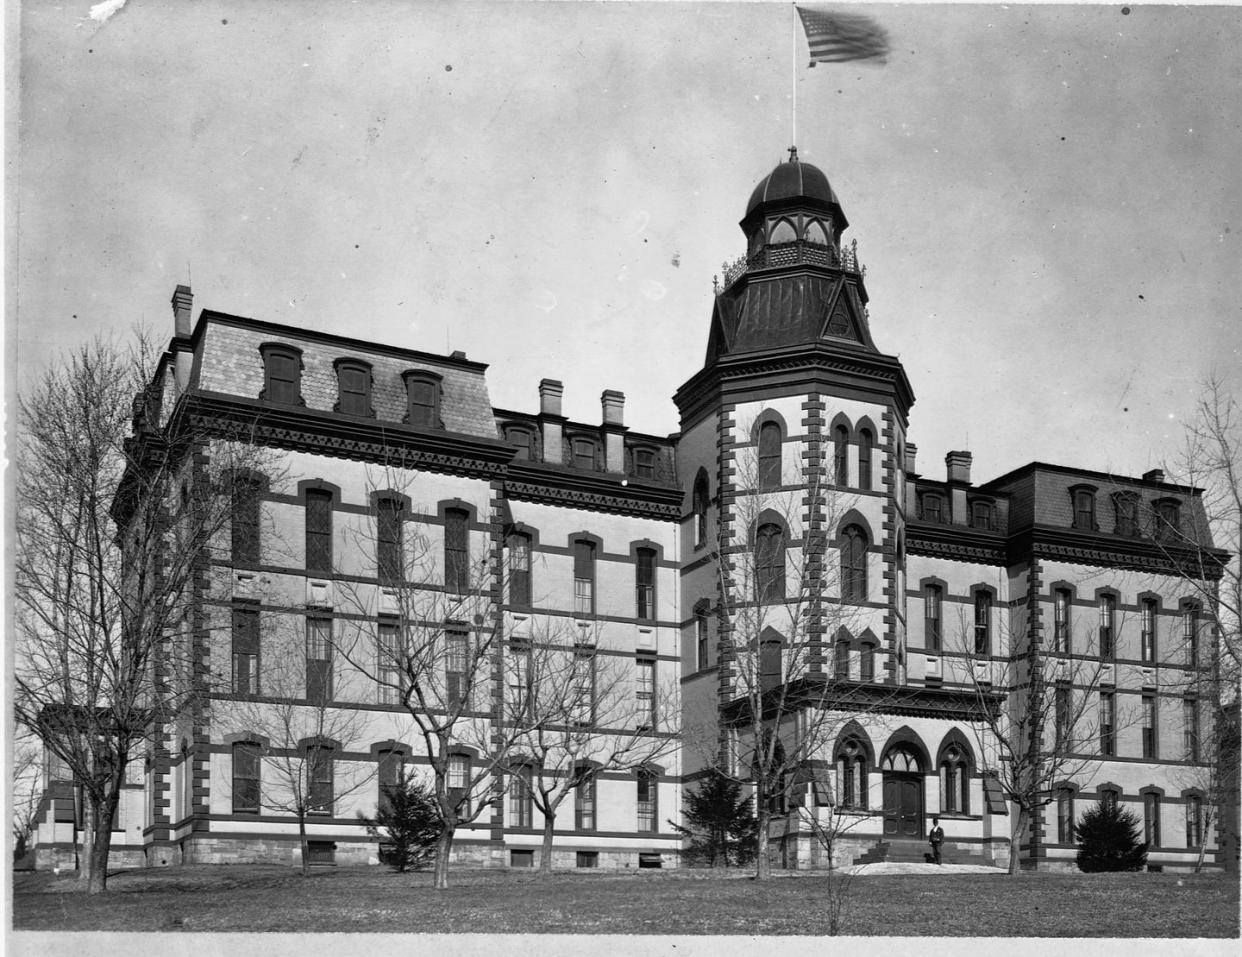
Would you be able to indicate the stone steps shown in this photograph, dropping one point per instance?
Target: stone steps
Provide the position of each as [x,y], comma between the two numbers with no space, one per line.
[916,852]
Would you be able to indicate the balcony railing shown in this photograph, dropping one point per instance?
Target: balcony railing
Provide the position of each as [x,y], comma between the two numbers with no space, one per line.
[790,254]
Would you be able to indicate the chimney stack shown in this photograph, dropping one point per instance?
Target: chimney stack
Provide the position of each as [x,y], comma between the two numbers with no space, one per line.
[182,303]
[958,466]
[550,392]
[614,407]
[912,450]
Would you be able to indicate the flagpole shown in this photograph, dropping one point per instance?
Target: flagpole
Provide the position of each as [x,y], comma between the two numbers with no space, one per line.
[793,62]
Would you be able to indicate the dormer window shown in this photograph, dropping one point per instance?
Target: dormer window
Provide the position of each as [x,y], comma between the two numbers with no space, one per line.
[981,515]
[1083,498]
[524,439]
[644,463]
[1167,517]
[353,379]
[1126,505]
[582,453]
[931,507]
[422,391]
[282,373]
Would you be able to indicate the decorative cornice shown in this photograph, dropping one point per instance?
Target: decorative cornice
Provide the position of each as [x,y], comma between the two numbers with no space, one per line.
[911,701]
[619,499]
[955,542]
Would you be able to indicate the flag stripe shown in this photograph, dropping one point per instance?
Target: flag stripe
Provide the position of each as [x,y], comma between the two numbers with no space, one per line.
[841,37]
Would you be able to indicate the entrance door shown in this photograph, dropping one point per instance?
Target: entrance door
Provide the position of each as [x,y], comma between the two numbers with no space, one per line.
[903,805]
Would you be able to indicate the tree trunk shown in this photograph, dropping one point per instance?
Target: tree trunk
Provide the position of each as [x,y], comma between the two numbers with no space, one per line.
[545,860]
[101,843]
[444,845]
[302,840]
[1015,841]
[763,868]
[86,855]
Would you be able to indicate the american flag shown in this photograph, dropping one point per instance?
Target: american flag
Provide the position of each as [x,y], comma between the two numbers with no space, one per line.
[839,37]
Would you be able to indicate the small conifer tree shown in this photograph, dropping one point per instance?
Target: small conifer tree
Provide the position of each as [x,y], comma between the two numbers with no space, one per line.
[406,825]
[719,823]
[1109,839]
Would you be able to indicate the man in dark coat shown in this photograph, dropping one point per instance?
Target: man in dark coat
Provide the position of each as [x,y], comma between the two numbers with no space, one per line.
[936,838]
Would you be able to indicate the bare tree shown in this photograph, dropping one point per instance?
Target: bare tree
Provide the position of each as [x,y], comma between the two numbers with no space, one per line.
[578,714]
[111,532]
[290,734]
[1043,717]
[791,583]
[435,652]
[26,776]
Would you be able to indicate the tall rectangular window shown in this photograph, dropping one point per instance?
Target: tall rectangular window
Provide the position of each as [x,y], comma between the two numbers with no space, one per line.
[584,578]
[245,650]
[1194,821]
[841,455]
[318,660]
[245,777]
[769,456]
[1151,820]
[388,541]
[644,586]
[1190,728]
[1190,634]
[458,779]
[645,692]
[519,570]
[646,800]
[457,668]
[1061,622]
[1149,631]
[983,623]
[701,638]
[520,797]
[391,775]
[770,563]
[584,805]
[1065,816]
[319,532]
[1108,723]
[1084,509]
[353,380]
[319,774]
[582,686]
[1108,609]
[1062,719]
[456,551]
[423,398]
[282,374]
[521,704]
[1150,728]
[388,663]
[864,459]
[932,617]
[245,521]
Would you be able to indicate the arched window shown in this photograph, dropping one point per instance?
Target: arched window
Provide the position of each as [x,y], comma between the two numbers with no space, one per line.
[815,233]
[853,564]
[353,382]
[866,661]
[865,443]
[783,233]
[583,453]
[769,563]
[902,759]
[282,373]
[770,670]
[699,502]
[954,780]
[840,455]
[769,455]
[1083,497]
[852,775]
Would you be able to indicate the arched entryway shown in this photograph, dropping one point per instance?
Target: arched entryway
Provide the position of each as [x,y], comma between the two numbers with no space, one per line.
[902,772]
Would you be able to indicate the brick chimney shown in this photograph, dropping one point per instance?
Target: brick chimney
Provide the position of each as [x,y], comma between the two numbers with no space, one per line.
[182,304]
[957,464]
[912,452]
[551,422]
[613,403]
[1155,475]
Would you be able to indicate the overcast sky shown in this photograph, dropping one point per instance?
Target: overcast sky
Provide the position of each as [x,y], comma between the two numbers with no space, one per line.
[1048,199]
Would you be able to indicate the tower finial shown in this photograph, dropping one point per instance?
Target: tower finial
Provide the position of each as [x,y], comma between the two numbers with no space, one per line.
[793,154]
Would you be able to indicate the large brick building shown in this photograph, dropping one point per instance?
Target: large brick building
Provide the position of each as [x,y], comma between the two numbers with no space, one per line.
[956,591]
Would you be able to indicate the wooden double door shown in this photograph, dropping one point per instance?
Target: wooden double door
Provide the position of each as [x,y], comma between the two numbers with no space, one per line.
[903,805]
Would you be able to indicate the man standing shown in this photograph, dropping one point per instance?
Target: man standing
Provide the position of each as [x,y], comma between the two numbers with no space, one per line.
[936,839]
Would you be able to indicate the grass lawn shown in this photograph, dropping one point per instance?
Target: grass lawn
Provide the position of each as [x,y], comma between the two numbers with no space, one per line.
[226,898]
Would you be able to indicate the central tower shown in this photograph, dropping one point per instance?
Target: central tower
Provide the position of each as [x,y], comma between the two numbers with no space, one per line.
[792,441]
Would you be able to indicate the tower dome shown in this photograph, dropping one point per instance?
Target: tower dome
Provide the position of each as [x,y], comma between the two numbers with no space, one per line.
[794,182]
